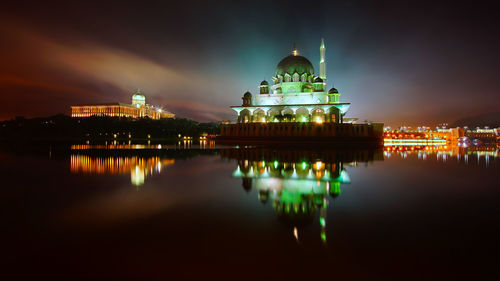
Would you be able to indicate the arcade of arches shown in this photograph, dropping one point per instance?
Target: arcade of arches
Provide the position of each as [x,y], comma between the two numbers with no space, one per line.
[317,114]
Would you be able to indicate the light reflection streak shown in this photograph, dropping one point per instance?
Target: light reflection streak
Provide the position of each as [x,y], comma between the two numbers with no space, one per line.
[443,153]
[139,168]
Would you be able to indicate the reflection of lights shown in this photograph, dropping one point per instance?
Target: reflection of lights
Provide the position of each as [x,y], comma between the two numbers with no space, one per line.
[297,189]
[139,168]
[444,153]
[137,177]
[344,176]
[318,165]
[237,173]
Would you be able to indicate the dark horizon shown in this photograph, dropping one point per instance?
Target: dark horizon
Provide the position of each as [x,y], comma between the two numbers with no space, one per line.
[397,63]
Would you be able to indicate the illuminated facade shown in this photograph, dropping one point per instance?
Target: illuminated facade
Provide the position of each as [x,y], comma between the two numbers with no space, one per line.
[424,136]
[139,108]
[296,95]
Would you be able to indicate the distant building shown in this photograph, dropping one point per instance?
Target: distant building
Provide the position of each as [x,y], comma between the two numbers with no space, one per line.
[139,108]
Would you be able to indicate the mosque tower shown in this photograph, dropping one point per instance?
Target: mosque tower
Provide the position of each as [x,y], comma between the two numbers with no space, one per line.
[322,63]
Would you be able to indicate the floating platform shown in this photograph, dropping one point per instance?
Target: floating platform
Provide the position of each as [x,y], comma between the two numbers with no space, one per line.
[302,133]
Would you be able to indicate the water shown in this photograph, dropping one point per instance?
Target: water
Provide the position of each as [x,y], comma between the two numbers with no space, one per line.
[190,212]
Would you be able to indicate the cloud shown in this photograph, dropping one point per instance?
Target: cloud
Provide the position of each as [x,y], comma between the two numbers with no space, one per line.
[73,62]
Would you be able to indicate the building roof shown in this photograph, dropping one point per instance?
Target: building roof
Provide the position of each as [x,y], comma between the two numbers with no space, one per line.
[138,96]
[294,64]
[104,104]
[333,91]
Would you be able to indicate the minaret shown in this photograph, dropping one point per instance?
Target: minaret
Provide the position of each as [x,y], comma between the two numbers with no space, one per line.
[322,63]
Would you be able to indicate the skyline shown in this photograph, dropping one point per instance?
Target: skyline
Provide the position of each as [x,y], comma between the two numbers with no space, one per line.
[396,63]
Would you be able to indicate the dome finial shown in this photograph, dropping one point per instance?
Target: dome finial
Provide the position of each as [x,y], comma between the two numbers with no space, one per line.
[294,51]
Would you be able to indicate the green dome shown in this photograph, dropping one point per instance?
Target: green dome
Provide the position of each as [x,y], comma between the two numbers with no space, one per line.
[318,80]
[333,91]
[294,64]
[264,83]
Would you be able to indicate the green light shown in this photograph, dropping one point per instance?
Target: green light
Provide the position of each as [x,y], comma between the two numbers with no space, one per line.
[276,164]
[322,222]
[336,188]
[323,237]
[304,165]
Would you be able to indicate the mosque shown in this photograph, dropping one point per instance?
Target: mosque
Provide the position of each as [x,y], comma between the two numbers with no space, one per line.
[139,108]
[296,105]
[296,95]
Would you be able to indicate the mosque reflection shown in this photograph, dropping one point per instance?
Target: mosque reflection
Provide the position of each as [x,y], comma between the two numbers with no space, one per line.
[139,167]
[300,184]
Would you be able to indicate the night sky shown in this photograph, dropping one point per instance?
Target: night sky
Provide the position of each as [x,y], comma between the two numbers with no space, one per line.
[417,64]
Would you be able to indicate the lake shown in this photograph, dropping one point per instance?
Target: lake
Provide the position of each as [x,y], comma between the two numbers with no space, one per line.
[202,211]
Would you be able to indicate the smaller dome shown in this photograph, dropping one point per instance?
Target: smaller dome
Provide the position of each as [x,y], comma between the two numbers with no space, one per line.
[333,91]
[247,95]
[264,83]
[318,80]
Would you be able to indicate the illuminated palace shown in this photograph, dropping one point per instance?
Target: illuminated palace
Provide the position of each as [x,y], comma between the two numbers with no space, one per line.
[298,105]
[139,108]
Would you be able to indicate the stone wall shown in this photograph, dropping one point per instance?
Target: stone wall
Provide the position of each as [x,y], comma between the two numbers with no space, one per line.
[301,130]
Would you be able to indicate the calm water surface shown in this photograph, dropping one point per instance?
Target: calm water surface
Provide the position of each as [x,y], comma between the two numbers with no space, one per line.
[207,212]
